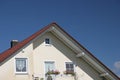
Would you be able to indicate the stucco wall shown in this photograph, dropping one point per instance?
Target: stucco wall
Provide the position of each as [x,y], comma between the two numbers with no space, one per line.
[7,68]
[60,53]
[37,53]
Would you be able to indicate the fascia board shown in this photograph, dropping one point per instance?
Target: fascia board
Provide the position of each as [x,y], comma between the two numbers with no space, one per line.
[65,39]
[96,66]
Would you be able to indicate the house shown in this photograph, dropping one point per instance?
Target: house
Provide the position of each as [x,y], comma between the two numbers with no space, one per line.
[51,54]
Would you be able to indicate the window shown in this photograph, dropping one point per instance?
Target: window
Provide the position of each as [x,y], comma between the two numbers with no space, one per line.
[69,66]
[21,65]
[47,41]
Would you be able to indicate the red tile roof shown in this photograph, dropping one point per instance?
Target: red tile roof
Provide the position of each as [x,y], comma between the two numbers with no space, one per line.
[15,48]
[6,54]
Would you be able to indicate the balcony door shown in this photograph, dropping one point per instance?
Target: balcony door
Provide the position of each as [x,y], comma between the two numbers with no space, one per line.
[49,66]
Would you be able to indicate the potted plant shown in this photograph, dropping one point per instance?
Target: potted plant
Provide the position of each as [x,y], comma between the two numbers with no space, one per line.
[55,72]
[67,72]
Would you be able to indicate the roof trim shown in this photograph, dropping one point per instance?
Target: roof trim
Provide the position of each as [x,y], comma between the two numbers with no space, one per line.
[4,55]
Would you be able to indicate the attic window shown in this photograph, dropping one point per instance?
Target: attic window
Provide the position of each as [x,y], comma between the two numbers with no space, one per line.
[47,41]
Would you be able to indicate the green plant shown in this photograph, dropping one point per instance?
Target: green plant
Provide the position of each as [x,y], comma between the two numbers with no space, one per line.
[41,78]
[69,72]
[55,72]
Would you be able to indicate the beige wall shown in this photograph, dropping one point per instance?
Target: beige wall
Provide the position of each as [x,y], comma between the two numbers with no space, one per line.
[37,53]
[7,69]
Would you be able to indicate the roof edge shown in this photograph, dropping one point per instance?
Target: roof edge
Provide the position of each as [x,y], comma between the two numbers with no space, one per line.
[7,53]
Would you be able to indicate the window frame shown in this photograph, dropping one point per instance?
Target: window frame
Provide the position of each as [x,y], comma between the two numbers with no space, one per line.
[69,64]
[51,61]
[26,65]
[47,42]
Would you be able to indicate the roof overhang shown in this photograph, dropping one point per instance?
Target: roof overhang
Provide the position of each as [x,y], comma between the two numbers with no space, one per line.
[65,39]
[103,72]
[80,54]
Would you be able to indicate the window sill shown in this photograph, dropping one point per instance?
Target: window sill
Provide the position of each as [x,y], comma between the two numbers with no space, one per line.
[21,73]
[48,44]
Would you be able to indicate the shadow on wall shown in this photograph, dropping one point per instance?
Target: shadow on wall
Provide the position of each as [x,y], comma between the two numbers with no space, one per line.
[37,43]
[69,53]
[79,62]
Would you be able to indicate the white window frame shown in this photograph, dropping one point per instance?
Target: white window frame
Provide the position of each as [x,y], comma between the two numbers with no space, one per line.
[48,61]
[26,72]
[73,65]
[47,43]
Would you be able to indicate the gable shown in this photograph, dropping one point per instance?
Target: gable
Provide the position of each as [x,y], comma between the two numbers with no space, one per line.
[60,53]
[56,33]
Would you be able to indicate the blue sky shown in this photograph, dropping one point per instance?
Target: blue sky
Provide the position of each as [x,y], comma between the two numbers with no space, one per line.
[93,23]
